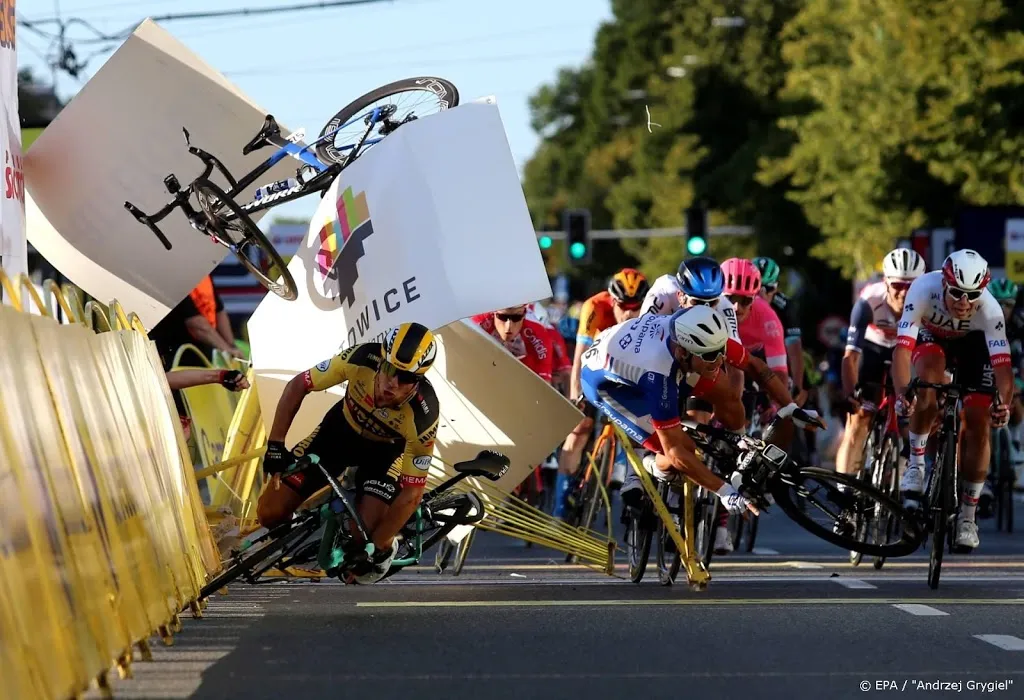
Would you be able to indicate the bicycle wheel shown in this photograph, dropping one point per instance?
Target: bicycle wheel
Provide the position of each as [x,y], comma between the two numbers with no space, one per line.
[862,521]
[263,551]
[266,264]
[704,523]
[638,543]
[441,92]
[1003,481]
[886,480]
[749,525]
[667,570]
[818,490]
[940,491]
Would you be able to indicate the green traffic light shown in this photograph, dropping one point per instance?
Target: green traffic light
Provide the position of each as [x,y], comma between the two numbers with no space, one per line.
[545,242]
[577,250]
[696,245]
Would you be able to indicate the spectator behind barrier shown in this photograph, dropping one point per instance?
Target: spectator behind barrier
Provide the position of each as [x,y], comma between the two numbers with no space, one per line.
[198,319]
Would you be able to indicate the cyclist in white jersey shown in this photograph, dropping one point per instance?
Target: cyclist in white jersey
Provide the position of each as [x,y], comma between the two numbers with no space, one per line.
[869,343]
[951,320]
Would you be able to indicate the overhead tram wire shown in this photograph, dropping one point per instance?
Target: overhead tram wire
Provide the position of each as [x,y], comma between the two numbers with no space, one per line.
[69,62]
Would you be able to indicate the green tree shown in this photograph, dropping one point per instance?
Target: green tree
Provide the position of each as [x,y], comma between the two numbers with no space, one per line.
[881,94]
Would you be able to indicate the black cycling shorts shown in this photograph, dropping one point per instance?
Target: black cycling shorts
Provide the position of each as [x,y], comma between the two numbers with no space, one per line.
[339,447]
[968,355]
[872,371]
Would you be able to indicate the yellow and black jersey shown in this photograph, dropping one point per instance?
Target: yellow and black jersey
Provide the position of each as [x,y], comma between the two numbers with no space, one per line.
[414,423]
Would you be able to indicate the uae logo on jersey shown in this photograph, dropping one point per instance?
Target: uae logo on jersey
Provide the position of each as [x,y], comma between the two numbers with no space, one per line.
[341,245]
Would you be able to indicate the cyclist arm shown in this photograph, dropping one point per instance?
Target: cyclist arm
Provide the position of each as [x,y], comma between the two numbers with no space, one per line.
[325,375]
[906,338]
[770,381]
[998,350]
[860,318]
[584,339]
[775,347]
[675,444]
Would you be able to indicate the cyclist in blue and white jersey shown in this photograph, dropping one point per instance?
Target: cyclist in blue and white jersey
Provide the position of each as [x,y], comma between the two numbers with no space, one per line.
[637,372]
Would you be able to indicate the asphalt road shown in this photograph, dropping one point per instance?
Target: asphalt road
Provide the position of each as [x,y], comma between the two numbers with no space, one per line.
[792,620]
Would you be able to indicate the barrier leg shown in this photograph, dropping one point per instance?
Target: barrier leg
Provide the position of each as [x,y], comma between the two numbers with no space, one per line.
[197,610]
[124,664]
[145,653]
[175,624]
[103,683]
[165,635]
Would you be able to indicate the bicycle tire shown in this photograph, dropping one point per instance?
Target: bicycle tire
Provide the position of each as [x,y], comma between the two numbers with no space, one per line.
[285,289]
[749,525]
[639,553]
[666,577]
[586,510]
[942,474]
[779,486]
[888,482]
[862,523]
[327,152]
[705,524]
[1004,480]
[253,557]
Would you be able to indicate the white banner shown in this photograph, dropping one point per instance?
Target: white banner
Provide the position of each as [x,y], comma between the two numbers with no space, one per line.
[116,141]
[13,257]
[430,225]
[487,399]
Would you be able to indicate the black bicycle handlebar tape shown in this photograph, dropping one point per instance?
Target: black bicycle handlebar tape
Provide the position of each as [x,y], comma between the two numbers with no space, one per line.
[916,383]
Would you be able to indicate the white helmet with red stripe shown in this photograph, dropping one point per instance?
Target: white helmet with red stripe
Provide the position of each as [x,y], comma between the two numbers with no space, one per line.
[967,270]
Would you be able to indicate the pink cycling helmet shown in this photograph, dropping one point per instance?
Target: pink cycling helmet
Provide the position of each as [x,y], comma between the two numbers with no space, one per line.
[741,277]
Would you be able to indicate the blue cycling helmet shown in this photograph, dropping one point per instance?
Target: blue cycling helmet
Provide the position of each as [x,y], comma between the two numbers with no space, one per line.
[569,327]
[701,278]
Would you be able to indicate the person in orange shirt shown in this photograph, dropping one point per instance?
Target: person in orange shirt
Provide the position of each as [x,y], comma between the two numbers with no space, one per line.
[620,302]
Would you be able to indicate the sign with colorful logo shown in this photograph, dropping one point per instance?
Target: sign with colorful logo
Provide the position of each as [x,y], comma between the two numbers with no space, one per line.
[341,245]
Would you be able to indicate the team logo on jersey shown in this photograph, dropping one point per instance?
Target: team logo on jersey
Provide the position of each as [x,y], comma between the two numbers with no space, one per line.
[908,307]
[626,340]
[341,245]
[322,366]
[999,326]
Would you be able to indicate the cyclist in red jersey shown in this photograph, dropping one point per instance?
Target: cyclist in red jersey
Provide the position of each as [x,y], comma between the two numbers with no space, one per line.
[527,340]
[561,364]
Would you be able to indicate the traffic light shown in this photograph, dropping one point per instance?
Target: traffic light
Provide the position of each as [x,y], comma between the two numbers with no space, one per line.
[577,235]
[544,242]
[696,230]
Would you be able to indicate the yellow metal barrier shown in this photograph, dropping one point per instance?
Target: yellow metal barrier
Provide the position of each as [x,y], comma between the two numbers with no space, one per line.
[103,537]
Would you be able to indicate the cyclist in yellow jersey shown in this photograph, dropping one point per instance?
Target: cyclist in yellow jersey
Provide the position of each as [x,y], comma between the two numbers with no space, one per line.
[385,426]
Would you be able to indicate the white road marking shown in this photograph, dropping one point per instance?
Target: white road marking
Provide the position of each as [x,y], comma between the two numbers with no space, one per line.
[1003,641]
[918,609]
[764,550]
[804,565]
[852,583]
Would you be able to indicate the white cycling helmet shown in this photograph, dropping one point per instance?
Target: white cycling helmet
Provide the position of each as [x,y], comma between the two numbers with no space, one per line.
[967,270]
[903,263]
[700,329]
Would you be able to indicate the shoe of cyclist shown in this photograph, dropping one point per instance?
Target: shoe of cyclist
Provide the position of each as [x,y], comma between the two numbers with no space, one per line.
[967,534]
[723,541]
[912,487]
[379,563]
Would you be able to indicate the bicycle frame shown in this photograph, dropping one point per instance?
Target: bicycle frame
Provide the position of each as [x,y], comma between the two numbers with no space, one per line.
[696,574]
[325,174]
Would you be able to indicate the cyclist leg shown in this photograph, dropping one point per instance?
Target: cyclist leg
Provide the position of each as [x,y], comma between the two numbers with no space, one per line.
[974,369]
[929,362]
[850,457]
[277,504]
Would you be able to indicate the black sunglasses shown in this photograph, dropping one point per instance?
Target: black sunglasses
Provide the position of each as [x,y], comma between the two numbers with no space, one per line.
[740,300]
[402,375]
[769,288]
[514,318]
[958,293]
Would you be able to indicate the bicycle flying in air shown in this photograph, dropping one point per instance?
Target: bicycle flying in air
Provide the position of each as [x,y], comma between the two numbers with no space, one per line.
[371,118]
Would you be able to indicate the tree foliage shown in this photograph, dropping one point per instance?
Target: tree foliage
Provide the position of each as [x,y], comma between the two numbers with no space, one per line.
[833,127]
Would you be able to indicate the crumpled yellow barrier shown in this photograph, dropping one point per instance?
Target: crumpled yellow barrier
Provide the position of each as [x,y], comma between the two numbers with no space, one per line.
[103,537]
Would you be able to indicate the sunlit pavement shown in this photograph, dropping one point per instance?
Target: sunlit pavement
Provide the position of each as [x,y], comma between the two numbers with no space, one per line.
[792,620]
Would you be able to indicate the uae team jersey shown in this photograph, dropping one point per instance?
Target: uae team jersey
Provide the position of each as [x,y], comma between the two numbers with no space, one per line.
[925,308]
[762,332]
[872,320]
[663,299]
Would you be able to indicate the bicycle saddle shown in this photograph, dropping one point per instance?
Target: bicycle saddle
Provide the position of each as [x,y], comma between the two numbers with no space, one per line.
[487,463]
[270,129]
